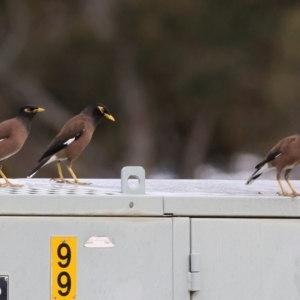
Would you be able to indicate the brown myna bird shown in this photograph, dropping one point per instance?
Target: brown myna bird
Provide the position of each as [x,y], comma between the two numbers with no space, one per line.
[13,134]
[72,140]
[285,155]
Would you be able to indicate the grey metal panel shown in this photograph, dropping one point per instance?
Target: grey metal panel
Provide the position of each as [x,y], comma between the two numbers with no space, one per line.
[81,205]
[163,197]
[232,206]
[181,252]
[224,198]
[139,266]
[102,197]
[230,198]
[247,258]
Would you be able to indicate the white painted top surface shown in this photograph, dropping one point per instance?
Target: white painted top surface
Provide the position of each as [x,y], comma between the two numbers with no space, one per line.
[157,187]
[162,198]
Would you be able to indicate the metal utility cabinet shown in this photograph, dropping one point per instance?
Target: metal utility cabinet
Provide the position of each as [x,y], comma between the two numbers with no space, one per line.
[159,240]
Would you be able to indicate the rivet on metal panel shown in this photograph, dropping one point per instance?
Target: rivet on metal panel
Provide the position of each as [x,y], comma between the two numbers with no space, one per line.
[133,180]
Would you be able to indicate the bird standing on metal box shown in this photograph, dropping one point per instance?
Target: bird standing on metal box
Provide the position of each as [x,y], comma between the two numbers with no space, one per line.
[72,140]
[13,134]
[285,155]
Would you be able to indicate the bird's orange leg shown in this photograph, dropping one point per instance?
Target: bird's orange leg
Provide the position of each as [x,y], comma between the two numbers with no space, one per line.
[7,182]
[286,176]
[76,181]
[283,192]
[61,178]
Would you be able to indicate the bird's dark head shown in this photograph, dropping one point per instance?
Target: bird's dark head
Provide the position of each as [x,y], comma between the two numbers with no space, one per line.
[98,111]
[29,111]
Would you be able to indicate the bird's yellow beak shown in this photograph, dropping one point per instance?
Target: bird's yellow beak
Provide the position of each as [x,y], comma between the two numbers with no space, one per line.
[38,110]
[106,115]
[110,117]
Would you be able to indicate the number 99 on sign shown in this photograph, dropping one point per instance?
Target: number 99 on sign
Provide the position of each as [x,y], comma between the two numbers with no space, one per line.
[63,268]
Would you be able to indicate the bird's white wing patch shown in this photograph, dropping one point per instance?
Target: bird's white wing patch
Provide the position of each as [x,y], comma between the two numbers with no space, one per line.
[69,141]
[277,155]
[2,139]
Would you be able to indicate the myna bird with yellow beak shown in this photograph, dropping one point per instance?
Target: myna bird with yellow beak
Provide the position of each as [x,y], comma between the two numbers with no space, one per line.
[13,134]
[72,140]
[284,156]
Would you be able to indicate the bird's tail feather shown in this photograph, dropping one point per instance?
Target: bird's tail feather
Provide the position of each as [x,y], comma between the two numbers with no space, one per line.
[261,169]
[39,165]
[253,177]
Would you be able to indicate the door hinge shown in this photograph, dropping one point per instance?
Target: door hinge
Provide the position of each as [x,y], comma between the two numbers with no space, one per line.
[194,274]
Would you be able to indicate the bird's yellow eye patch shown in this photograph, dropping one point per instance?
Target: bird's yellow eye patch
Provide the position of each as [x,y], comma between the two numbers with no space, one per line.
[102,109]
[28,110]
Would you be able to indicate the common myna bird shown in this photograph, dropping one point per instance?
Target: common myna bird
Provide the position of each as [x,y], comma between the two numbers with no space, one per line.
[285,155]
[72,140]
[13,134]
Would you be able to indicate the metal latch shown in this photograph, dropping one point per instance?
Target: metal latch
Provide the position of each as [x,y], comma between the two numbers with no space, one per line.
[3,287]
[194,274]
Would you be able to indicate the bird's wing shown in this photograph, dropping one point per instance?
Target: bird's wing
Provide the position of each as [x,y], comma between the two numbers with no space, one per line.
[280,148]
[5,129]
[270,156]
[70,132]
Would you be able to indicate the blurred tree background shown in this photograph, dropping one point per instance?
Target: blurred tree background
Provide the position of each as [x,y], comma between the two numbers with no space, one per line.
[188,82]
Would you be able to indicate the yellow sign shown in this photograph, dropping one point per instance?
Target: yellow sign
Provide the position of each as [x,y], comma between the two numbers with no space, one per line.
[63,268]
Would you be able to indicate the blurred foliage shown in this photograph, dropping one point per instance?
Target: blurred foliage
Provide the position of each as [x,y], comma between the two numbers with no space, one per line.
[187,81]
